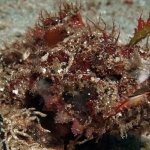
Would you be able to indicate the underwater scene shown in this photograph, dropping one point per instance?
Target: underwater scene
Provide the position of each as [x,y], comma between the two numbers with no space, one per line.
[74,75]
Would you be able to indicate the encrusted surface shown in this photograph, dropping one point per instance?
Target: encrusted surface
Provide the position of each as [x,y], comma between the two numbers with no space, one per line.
[69,77]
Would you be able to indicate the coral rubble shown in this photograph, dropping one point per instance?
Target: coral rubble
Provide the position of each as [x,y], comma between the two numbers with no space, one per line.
[70,77]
